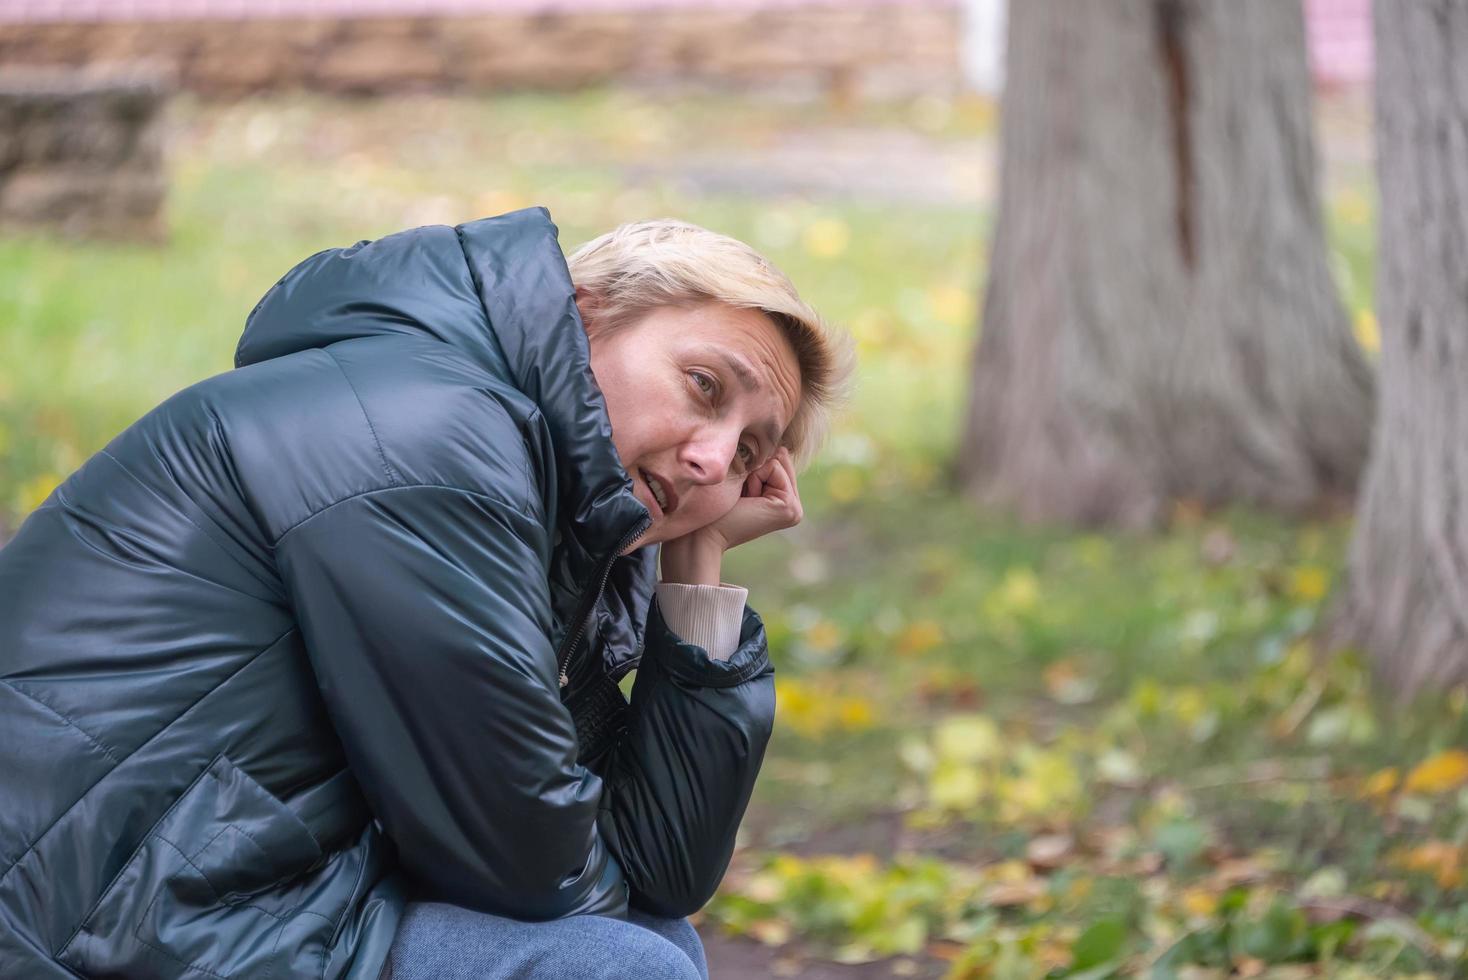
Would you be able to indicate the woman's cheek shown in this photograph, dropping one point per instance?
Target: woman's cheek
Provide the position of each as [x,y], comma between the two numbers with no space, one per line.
[728,496]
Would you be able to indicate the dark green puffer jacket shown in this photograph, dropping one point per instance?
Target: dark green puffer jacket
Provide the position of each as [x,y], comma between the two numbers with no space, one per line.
[286,652]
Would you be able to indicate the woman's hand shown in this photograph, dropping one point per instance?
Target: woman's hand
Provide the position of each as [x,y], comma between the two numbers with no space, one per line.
[769,501]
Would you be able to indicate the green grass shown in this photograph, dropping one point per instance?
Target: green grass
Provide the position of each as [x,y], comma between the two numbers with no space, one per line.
[952,687]
[91,336]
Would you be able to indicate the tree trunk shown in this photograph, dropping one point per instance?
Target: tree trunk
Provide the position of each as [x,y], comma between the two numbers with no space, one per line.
[1160,321]
[1407,597]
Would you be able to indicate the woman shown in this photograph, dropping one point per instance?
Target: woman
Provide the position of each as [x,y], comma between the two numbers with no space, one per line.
[318,661]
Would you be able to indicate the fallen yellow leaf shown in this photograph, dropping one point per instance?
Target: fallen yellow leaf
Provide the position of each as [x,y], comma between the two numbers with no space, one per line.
[1011,871]
[854,714]
[1199,903]
[919,637]
[1309,583]
[849,869]
[967,738]
[1079,889]
[1045,785]
[797,706]
[1018,592]
[1379,785]
[824,635]
[955,786]
[1439,774]
[787,865]
[1439,858]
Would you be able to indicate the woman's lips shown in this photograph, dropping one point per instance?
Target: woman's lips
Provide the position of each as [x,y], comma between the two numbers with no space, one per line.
[648,476]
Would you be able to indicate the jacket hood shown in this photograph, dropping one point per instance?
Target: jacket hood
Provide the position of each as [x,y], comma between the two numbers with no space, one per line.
[497,290]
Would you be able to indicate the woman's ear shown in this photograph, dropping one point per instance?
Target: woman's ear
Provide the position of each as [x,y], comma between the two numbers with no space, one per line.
[589,306]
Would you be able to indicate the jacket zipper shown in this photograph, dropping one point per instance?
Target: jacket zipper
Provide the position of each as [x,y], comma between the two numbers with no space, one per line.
[583,611]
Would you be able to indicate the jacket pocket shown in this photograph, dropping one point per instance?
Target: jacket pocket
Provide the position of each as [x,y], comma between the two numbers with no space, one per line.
[200,895]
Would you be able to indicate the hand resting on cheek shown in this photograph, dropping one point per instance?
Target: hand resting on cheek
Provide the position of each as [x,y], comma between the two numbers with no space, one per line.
[769,501]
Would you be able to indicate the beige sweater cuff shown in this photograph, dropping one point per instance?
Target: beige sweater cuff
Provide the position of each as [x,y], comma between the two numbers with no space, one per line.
[709,616]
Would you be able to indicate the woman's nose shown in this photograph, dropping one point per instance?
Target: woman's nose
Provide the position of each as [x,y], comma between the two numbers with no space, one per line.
[709,456]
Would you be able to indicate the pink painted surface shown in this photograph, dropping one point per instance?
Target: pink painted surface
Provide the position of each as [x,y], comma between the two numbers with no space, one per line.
[1339,32]
[94,10]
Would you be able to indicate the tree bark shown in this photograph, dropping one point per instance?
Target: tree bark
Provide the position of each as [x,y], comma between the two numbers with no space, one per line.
[1406,599]
[1160,321]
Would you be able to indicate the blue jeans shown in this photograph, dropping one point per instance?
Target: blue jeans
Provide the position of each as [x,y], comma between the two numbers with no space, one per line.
[446,942]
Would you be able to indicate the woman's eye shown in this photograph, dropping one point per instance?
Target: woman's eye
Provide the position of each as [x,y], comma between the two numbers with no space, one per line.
[746,454]
[705,383]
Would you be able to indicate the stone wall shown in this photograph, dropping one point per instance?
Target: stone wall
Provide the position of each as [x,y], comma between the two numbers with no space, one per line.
[855,49]
[82,152]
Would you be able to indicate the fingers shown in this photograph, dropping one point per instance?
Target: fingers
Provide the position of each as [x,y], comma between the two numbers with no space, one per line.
[781,481]
[770,467]
[760,478]
[768,501]
[782,471]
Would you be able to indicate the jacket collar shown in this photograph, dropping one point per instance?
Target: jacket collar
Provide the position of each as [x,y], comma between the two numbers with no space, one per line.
[526,289]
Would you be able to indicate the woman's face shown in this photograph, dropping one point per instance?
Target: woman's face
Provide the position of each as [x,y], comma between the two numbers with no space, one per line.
[698,397]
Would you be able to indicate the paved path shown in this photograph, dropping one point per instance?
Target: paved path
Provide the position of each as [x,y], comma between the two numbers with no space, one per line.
[872,163]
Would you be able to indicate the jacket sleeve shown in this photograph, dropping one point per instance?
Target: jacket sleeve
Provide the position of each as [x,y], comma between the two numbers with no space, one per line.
[426,615]
[682,775]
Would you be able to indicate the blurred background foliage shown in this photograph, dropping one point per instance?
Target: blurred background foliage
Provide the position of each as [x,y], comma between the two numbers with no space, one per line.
[1002,752]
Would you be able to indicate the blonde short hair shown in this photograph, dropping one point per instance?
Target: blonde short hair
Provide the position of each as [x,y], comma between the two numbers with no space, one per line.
[632,270]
